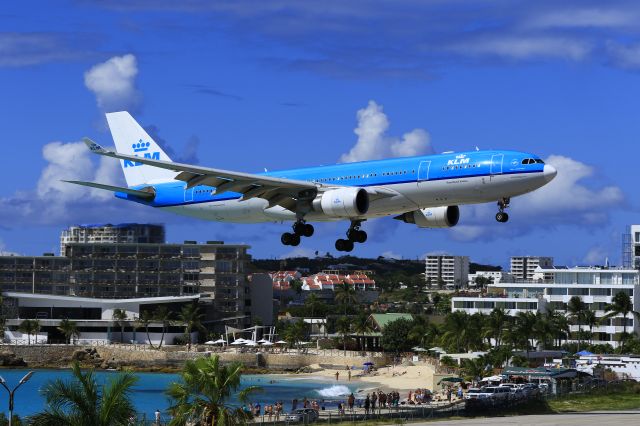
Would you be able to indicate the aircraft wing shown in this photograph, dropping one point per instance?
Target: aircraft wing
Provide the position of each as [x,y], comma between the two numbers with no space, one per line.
[278,191]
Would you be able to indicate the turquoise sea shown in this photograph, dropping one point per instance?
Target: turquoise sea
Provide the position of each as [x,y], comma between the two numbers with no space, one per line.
[149,394]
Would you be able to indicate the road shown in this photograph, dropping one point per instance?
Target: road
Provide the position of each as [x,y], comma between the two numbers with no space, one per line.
[597,418]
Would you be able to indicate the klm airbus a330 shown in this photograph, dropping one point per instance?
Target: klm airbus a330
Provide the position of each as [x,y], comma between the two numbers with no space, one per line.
[424,191]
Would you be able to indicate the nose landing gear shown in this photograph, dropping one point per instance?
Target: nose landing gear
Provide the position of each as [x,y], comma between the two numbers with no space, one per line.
[300,229]
[354,235]
[502,216]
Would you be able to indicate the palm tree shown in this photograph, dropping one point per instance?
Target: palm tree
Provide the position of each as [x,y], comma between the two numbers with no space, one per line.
[119,316]
[144,321]
[544,330]
[69,329]
[621,304]
[191,317]
[362,326]
[521,333]
[495,324]
[30,326]
[82,401]
[576,308]
[456,335]
[560,325]
[163,316]
[345,295]
[343,327]
[294,333]
[473,369]
[202,393]
[312,302]
[590,320]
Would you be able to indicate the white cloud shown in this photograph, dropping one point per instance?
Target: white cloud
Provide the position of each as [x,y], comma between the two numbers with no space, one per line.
[113,83]
[625,56]
[391,255]
[4,252]
[525,47]
[596,256]
[584,18]
[374,144]
[568,200]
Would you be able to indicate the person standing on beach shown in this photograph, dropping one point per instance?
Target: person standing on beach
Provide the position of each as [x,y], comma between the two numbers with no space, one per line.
[374,398]
[157,416]
[337,376]
[350,401]
[294,404]
[367,404]
[349,374]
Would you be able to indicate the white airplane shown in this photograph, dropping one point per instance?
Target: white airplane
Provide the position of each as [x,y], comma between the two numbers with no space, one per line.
[424,191]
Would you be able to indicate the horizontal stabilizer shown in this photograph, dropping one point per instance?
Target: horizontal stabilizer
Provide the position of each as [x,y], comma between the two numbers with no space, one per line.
[147,194]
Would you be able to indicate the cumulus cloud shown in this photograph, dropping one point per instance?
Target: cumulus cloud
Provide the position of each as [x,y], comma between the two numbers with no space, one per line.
[520,47]
[391,255]
[373,143]
[625,56]
[596,256]
[569,200]
[113,83]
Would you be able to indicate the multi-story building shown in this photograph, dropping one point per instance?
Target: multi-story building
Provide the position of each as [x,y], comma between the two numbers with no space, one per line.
[130,233]
[595,286]
[452,271]
[524,267]
[634,247]
[494,276]
[215,273]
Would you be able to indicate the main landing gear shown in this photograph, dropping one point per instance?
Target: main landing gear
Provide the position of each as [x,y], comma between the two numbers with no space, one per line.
[502,216]
[354,235]
[300,229]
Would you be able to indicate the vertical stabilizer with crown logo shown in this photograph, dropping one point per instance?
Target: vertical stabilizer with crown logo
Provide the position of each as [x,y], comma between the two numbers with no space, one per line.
[130,138]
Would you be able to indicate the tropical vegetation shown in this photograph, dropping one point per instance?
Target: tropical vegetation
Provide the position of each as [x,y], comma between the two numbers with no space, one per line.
[82,401]
[203,392]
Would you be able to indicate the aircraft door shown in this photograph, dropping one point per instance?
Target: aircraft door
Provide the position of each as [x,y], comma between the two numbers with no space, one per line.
[188,194]
[423,170]
[496,164]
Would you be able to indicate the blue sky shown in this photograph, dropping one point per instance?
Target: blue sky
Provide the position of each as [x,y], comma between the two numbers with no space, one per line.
[248,85]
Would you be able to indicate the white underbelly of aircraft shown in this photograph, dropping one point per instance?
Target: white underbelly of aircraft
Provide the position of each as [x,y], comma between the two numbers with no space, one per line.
[411,196]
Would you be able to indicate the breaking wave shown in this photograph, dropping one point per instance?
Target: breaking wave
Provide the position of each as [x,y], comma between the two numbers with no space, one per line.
[334,391]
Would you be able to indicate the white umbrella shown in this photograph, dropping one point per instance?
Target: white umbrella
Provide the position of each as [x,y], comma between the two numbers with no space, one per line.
[239,342]
[250,343]
[210,342]
[267,343]
[220,342]
[262,341]
[419,349]
[281,342]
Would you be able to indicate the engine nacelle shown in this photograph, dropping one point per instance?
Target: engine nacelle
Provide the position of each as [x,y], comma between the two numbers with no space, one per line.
[433,217]
[343,202]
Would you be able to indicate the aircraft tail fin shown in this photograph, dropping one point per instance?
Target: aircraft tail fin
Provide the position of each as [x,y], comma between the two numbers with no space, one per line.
[130,138]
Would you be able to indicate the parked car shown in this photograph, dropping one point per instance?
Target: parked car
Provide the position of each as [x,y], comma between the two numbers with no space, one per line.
[475,393]
[530,389]
[497,393]
[306,415]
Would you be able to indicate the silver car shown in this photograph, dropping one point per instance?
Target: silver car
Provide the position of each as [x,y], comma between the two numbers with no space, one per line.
[306,415]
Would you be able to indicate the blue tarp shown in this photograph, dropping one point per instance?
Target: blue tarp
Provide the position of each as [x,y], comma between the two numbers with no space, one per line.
[584,353]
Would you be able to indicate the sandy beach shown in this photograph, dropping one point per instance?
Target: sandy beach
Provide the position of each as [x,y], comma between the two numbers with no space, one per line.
[398,378]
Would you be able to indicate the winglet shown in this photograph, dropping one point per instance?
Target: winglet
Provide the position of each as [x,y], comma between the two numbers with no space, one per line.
[94,146]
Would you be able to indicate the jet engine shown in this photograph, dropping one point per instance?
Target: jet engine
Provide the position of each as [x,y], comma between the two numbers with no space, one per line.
[343,202]
[432,217]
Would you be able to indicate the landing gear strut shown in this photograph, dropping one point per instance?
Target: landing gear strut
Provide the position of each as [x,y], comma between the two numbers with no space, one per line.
[300,229]
[354,235]
[502,216]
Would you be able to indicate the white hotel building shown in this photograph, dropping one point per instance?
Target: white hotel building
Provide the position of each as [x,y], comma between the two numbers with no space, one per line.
[595,286]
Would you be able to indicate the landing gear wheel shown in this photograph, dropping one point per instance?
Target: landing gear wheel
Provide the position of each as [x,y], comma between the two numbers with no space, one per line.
[361,237]
[344,245]
[307,230]
[295,240]
[287,238]
[298,228]
[502,217]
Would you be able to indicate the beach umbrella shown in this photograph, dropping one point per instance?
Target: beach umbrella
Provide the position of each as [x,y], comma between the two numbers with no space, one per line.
[584,353]
[239,342]
[281,342]
[267,343]
[418,349]
[437,349]
[262,341]
[368,363]
[210,342]
[250,343]
[219,342]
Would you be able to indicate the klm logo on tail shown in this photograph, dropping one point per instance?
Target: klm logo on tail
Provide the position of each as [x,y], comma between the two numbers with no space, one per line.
[141,147]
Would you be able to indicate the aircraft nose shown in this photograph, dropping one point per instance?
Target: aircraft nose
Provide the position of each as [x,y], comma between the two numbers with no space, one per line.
[549,172]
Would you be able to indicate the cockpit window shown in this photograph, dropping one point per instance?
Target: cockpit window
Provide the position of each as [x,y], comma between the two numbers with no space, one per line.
[527,161]
[539,161]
